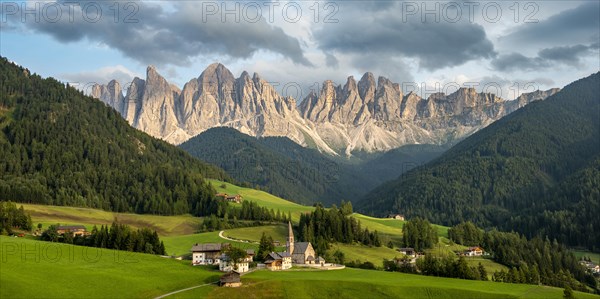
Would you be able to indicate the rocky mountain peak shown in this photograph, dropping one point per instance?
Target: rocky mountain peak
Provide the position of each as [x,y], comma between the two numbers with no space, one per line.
[366,87]
[216,73]
[368,115]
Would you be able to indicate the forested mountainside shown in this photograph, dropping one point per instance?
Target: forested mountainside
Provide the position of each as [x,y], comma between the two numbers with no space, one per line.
[300,174]
[536,171]
[60,147]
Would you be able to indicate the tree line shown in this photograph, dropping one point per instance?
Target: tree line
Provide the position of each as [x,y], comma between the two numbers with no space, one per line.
[323,226]
[12,217]
[419,234]
[432,265]
[556,265]
[249,210]
[535,260]
[118,236]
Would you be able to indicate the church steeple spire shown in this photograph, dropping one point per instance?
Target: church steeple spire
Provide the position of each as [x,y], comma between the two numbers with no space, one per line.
[290,240]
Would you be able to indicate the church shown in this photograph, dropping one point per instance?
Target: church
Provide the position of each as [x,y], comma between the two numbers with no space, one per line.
[301,252]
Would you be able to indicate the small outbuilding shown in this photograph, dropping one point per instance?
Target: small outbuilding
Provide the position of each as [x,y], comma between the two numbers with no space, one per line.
[231,280]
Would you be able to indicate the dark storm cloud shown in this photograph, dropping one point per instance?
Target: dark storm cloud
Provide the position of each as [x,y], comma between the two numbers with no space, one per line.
[568,55]
[435,44]
[331,61]
[573,26]
[173,35]
[516,61]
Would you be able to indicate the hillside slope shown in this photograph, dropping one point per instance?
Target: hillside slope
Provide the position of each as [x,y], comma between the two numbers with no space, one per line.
[303,175]
[536,170]
[60,147]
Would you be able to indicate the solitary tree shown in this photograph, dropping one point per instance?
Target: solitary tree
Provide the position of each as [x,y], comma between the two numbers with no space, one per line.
[265,247]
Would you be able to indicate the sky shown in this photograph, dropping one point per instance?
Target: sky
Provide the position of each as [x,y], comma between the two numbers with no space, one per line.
[504,47]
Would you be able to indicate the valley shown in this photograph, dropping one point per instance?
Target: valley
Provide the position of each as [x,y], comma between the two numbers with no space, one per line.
[361,149]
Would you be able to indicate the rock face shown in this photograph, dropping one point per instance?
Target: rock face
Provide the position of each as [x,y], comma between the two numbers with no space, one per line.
[368,115]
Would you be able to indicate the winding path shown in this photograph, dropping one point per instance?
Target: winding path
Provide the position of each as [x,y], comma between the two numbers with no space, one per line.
[234,240]
[186,289]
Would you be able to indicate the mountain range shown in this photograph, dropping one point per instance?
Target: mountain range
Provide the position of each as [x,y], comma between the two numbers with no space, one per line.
[365,116]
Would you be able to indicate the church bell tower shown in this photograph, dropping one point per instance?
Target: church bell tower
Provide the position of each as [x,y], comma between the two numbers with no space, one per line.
[290,240]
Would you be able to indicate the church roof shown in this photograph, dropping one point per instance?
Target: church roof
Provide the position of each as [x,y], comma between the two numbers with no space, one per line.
[301,247]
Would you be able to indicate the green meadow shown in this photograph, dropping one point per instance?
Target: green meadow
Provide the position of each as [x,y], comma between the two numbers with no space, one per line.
[357,283]
[253,234]
[36,269]
[263,199]
[164,225]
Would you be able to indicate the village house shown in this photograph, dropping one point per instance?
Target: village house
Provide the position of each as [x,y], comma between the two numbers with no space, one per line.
[301,252]
[474,251]
[396,216]
[207,253]
[230,198]
[75,230]
[231,279]
[591,267]
[410,252]
[278,261]
[226,265]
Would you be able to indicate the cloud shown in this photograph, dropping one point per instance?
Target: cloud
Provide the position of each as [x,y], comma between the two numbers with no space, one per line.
[568,54]
[331,61]
[574,26]
[160,34]
[435,44]
[392,68]
[548,57]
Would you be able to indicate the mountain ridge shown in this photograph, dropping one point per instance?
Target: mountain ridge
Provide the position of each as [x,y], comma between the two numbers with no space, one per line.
[369,115]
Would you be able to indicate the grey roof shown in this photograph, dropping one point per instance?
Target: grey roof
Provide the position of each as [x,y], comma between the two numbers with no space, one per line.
[300,247]
[406,249]
[284,254]
[250,251]
[208,247]
[274,256]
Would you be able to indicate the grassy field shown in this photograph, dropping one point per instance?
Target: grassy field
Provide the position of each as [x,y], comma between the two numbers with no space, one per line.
[490,266]
[35,269]
[263,199]
[277,232]
[356,283]
[164,225]
[384,226]
[180,245]
[362,253]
